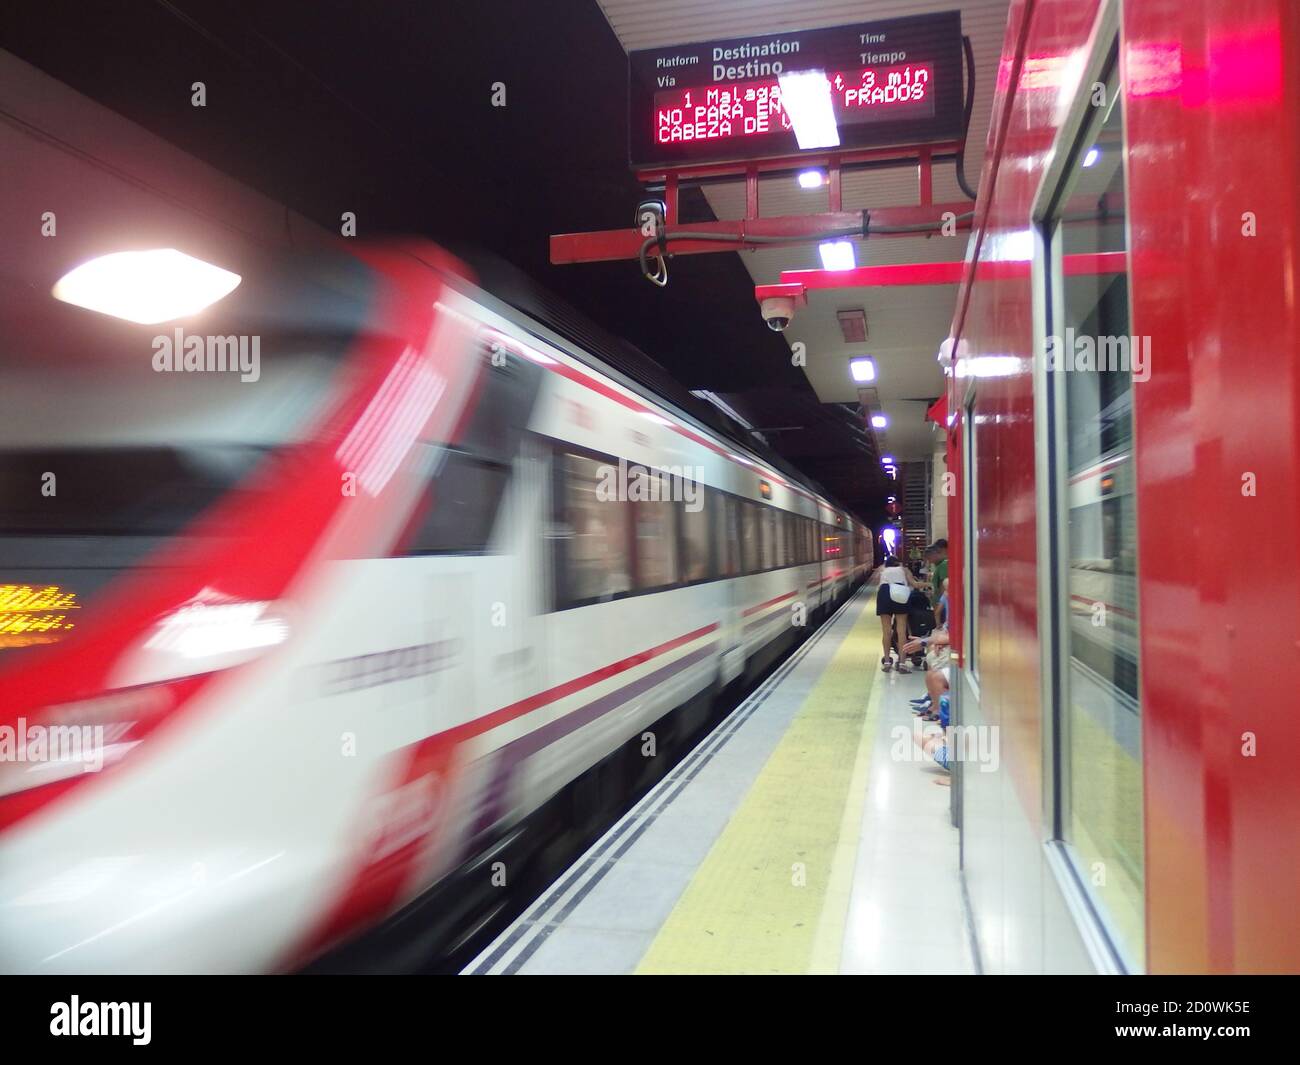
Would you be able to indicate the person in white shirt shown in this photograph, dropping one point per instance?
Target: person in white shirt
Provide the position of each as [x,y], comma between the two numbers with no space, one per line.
[893,613]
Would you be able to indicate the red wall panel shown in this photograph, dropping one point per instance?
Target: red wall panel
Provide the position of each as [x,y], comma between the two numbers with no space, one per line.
[1213,130]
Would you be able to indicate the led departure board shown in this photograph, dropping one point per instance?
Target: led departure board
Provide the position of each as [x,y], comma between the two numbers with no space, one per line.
[867,85]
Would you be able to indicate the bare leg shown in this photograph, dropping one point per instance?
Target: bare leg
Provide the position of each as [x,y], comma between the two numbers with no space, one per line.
[886,634]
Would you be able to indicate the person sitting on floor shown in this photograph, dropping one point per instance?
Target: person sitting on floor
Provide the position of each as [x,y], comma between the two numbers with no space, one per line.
[938,675]
[935,742]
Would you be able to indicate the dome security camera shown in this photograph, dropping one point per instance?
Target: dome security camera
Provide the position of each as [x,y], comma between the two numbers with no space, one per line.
[777,313]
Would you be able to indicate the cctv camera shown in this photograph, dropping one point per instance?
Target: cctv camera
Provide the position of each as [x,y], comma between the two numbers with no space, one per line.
[945,353]
[777,312]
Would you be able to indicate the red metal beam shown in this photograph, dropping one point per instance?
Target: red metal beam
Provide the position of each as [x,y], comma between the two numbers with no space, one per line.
[947,273]
[803,161]
[873,276]
[792,292]
[610,244]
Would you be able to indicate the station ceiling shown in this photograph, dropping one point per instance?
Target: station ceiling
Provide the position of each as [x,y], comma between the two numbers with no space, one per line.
[905,325]
[385,110]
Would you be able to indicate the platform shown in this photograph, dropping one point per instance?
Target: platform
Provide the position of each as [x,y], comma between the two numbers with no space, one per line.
[794,839]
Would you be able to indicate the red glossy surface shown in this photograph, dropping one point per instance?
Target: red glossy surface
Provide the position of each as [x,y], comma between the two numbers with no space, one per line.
[1213,132]
[1213,91]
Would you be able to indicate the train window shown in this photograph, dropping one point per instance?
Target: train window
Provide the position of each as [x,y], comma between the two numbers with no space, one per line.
[593,536]
[697,543]
[656,543]
[792,541]
[750,553]
[1094,364]
[727,527]
[460,506]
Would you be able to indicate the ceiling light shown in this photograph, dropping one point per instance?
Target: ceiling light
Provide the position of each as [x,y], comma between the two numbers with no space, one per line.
[879,421]
[863,368]
[811,179]
[837,255]
[886,460]
[1093,155]
[146,287]
[806,99]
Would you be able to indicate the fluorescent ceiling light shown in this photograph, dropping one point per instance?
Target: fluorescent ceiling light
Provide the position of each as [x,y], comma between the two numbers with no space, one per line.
[146,287]
[879,421]
[886,460]
[837,255]
[806,98]
[863,369]
[811,179]
[1093,155]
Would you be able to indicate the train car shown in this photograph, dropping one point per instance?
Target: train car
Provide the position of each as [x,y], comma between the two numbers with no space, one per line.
[283,644]
[1123,390]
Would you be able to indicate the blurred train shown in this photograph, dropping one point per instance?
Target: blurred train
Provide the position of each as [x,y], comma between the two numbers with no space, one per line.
[1124,590]
[329,632]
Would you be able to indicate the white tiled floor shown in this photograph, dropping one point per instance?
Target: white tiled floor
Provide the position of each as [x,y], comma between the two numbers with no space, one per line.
[906,913]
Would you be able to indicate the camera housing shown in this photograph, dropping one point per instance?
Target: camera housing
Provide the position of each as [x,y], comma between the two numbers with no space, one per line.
[778,312]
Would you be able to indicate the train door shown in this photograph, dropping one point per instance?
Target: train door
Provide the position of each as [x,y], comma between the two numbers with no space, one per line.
[730,566]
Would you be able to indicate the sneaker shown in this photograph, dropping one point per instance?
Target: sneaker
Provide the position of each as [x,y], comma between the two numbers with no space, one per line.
[917,702]
[886,664]
[902,667]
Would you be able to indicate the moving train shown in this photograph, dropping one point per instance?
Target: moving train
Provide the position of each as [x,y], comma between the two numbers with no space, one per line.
[282,652]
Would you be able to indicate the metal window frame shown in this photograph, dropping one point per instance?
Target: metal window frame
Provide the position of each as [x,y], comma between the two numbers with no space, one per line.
[1105,947]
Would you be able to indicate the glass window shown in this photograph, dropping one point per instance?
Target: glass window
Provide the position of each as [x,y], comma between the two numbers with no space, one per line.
[697,547]
[749,536]
[1094,365]
[656,543]
[460,506]
[594,561]
[971,616]
[728,534]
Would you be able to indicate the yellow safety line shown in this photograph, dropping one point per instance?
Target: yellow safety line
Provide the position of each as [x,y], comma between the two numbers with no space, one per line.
[829,944]
[771,896]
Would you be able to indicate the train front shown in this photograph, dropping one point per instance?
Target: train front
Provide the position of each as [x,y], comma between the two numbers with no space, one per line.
[195,464]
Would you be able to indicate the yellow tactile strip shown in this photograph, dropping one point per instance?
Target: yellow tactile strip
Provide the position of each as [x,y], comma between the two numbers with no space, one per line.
[772,894]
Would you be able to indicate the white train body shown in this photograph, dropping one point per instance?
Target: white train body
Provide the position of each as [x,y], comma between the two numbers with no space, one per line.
[428,667]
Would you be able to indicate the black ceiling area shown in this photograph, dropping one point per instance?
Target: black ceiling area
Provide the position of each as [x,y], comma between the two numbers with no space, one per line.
[385,109]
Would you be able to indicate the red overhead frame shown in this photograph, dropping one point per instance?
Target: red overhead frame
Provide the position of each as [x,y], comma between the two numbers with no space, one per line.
[611,244]
[796,283]
[937,412]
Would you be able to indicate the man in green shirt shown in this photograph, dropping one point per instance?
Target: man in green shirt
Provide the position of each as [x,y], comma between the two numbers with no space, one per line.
[938,574]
